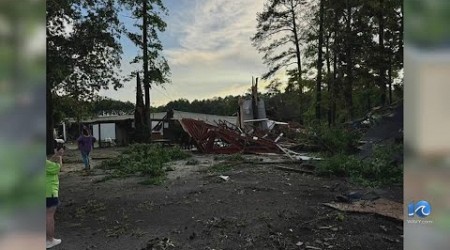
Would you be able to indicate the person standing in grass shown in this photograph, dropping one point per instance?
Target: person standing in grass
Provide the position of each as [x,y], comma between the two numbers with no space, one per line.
[85,145]
[52,167]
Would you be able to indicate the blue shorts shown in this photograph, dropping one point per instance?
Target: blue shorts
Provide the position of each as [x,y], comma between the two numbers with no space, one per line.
[52,202]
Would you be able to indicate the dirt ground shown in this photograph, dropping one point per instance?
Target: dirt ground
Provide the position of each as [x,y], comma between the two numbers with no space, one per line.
[259,207]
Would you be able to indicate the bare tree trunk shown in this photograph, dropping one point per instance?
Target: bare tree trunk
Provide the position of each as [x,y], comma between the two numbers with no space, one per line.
[139,118]
[348,90]
[390,78]
[319,65]
[334,85]
[334,90]
[329,87]
[146,113]
[298,55]
[297,47]
[381,60]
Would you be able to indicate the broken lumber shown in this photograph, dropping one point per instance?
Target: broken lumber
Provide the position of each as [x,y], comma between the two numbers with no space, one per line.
[383,207]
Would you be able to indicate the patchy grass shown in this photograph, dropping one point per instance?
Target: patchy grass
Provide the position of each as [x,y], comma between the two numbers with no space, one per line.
[91,207]
[156,181]
[192,162]
[226,163]
[378,170]
[221,167]
[236,158]
[229,158]
[143,159]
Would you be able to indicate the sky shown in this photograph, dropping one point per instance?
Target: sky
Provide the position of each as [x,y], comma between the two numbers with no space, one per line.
[208,48]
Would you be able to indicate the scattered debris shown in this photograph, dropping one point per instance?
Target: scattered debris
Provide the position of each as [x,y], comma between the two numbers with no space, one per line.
[356,196]
[225,140]
[315,248]
[297,156]
[307,158]
[380,206]
[224,177]
[159,244]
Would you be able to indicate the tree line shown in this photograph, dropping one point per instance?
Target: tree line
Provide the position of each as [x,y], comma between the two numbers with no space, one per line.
[84,51]
[70,108]
[342,57]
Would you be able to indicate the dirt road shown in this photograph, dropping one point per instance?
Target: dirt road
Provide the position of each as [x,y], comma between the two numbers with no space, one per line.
[259,207]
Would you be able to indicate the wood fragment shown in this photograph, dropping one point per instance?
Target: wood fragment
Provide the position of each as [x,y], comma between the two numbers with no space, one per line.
[381,207]
[295,170]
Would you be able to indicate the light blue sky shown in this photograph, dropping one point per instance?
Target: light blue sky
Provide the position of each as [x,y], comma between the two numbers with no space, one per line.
[207,44]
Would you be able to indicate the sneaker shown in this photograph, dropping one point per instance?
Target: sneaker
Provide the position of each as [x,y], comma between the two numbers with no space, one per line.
[53,242]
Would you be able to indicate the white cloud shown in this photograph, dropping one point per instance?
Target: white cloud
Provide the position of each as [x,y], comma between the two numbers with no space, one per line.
[218,30]
[209,50]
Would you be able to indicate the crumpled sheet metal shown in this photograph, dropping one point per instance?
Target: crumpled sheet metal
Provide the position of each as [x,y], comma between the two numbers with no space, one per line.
[224,140]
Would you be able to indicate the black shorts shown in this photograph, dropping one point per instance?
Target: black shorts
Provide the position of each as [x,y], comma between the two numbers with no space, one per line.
[52,202]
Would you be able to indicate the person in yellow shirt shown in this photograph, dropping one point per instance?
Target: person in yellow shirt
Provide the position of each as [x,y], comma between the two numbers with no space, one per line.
[52,167]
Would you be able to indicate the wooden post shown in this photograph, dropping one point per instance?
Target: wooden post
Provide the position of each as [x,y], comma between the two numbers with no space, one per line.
[99,135]
[255,99]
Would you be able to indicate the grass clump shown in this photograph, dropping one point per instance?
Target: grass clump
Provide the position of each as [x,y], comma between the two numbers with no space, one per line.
[230,158]
[192,162]
[221,167]
[145,159]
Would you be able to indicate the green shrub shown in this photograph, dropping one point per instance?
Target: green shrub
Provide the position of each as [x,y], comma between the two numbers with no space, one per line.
[338,165]
[336,140]
[145,159]
[378,170]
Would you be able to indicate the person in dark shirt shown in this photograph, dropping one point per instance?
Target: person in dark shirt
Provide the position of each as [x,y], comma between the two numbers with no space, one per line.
[85,145]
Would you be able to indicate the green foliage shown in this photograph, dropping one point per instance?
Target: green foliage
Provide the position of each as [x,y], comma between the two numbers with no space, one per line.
[218,105]
[378,170]
[83,52]
[340,217]
[69,107]
[336,140]
[158,67]
[278,36]
[145,159]
[340,165]
[87,59]
[111,106]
